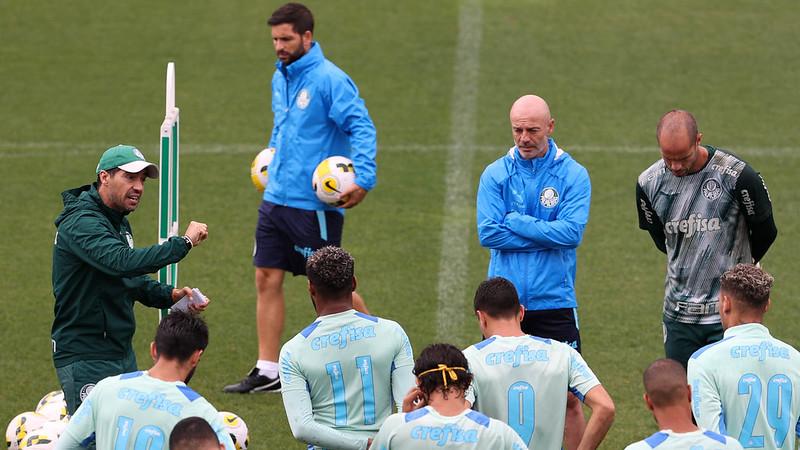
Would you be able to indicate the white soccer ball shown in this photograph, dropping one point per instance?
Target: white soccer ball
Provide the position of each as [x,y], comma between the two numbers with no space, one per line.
[53,406]
[21,427]
[258,168]
[236,428]
[333,176]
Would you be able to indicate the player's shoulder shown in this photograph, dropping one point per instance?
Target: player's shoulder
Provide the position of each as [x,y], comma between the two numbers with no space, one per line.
[653,173]
[711,350]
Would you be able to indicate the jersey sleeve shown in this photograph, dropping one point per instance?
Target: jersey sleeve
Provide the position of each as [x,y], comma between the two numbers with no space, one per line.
[581,377]
[706,402]
[351,116]
[648,220]
[511,440]
[403,378]
[383,439]
[566,231]
[80,430]
[299,412]
[755,203]
[493,233]
[99,246]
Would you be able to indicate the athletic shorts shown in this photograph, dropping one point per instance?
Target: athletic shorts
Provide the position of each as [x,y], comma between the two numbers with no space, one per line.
[681,340]
[557,324]
[79,378]
[286,237]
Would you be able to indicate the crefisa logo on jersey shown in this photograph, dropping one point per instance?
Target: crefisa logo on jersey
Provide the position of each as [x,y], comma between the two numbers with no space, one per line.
[549,197]
[711,189]
[303,99]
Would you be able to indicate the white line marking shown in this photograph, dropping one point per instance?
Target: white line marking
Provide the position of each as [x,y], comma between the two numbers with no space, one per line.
[48,149]
[459,194]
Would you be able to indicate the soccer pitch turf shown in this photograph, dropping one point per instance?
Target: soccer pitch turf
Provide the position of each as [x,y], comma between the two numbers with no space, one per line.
[438,78]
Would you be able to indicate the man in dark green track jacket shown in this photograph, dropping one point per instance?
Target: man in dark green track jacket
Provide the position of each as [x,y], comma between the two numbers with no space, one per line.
[98,274]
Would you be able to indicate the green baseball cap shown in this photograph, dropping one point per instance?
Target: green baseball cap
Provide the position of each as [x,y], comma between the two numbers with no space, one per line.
[127,158]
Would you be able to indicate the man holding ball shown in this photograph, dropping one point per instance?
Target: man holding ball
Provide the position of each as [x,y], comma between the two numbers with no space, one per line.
[317,114]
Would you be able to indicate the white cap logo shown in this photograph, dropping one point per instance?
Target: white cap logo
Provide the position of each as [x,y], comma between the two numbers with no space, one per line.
[138,153]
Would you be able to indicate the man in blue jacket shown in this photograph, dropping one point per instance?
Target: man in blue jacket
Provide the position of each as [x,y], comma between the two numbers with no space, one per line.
[533,205]
[317,114]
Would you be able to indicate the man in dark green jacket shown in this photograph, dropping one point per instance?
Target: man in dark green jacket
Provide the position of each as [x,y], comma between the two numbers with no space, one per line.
[98,274]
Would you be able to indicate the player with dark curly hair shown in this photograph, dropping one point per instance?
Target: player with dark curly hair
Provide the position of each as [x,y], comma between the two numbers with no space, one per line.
[437,414]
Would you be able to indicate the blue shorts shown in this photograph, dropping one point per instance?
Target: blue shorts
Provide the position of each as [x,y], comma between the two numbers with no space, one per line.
[286,236]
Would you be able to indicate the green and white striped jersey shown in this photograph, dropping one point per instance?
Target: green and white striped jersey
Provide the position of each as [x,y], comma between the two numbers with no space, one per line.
[427,429]
[702,221]
[523,381]
[341,377]
[744,386]
[136,411]
[695,440]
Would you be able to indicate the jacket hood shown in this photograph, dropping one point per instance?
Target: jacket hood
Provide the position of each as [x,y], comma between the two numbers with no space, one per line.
[85,198]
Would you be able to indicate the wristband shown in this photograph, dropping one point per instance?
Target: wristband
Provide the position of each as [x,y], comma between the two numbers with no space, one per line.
[188,241]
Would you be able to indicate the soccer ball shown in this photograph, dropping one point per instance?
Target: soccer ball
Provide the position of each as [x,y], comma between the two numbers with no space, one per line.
[44,437]
[331,177]
[236,428]
[53,406]
[21,427]
[258,169]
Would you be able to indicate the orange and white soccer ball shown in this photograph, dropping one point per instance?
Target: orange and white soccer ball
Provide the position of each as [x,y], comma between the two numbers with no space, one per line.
[258,168]
[236,428]
[333,176]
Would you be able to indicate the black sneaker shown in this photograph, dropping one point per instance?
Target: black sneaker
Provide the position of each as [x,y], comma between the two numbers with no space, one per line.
[254,382]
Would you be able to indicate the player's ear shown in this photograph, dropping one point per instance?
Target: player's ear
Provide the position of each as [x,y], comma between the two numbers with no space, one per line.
[355,283]
[195,358]
[153,351]
[689,392]
[647,401]
[766,307]
[521,313]
[698,139]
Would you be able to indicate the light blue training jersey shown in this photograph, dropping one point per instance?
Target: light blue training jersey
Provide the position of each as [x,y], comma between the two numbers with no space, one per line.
[342,375]
[524,380]
[135,411]
[744,386]
[694,440]
[427,429]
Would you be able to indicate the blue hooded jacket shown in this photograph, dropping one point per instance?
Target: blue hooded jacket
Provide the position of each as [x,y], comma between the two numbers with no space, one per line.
[317,114]
[531,217]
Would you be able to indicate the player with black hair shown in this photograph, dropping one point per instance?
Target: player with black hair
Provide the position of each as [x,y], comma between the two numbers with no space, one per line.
[342,374]
[144,406]
[194,433]
[436,414]
[523,380]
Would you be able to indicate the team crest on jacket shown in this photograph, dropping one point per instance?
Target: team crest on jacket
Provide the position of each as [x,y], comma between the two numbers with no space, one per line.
[549,197]
[303,99]
[711,189]
[85,390]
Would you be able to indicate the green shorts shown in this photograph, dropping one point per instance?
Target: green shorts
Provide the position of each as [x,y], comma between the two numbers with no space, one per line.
[681,340]
[77,379]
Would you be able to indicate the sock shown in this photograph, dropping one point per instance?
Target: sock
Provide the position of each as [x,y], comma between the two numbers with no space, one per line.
[267,368]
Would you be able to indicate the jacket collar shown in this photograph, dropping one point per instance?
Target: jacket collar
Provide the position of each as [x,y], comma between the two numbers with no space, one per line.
[553,152]
[113,215]
[748,330]
[311,59]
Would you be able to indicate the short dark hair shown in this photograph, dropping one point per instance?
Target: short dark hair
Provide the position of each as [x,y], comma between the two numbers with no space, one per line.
[675,121]
[497,297]
[432,357]
[180,334]
[296,14]
[747,284]
[330,270]
[665,382]
[110,172]
[193,433]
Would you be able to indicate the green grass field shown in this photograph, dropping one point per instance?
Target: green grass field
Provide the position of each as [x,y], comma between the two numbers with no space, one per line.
[80,76]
